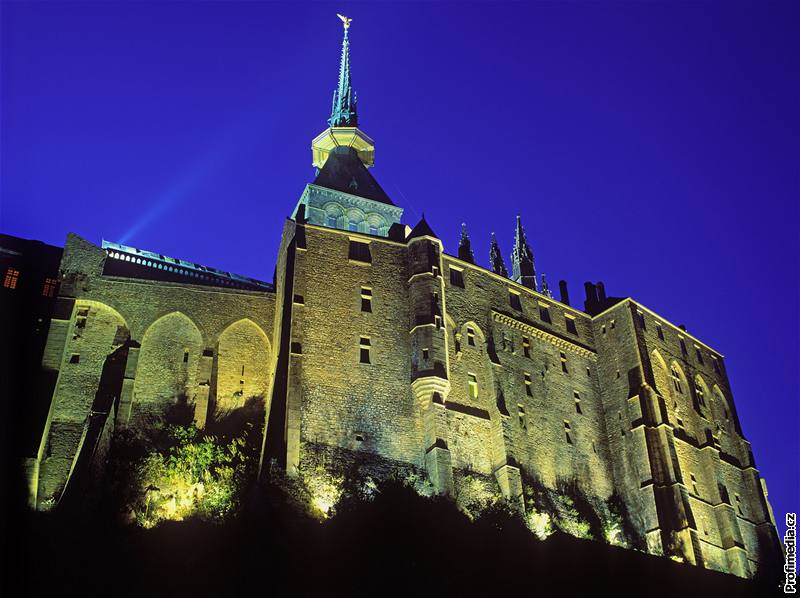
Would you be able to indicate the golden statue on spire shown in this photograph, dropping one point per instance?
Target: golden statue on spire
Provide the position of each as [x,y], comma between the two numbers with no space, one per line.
[345,20]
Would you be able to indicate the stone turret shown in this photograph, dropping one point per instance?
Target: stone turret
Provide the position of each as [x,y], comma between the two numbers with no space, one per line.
[430,380]
[465,246]
[496,262]
[523,270]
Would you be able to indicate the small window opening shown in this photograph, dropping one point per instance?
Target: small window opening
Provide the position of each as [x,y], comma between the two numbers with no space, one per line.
[570,322]
[456,277]
[472,380]
[364,346]
[366,299]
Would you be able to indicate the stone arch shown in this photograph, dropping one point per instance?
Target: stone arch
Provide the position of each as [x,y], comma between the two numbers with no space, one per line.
[701,392]
[357,216]
[376,220]
[661,375]
[96,338]
[243,364]
[721,409]
[665,388]
[167,368]
[480,336]
[333,210]
[679,381]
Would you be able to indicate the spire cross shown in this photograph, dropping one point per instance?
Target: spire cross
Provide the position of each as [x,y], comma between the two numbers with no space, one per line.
[345,20]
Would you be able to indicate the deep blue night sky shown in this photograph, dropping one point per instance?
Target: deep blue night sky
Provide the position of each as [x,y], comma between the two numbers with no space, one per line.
[651,145]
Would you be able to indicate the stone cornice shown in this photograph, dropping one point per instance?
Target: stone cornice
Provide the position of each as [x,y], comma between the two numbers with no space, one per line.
[361,202]
[544,335]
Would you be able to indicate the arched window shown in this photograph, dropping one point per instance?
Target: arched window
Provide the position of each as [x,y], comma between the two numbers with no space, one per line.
[701,396]
[353,225]
[676,378]
[332,221]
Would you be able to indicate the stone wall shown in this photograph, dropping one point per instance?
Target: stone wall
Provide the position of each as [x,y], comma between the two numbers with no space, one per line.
[370,353]
[173,333]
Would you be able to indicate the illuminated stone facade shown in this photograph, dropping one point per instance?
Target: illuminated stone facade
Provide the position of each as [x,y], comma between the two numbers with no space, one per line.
[375,348]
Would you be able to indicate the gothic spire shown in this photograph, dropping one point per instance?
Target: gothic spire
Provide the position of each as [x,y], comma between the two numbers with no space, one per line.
[343,111]
[465,247]
[496,258]
[523,270]
[546,289]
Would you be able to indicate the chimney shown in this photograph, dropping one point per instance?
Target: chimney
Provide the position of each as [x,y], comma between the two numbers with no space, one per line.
[601,292]
[591,297]
[562,290]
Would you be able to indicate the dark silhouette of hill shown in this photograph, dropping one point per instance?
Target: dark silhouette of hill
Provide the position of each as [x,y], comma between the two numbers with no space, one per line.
[398,543]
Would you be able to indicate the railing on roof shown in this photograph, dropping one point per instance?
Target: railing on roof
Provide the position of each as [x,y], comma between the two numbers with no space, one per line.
[182,267]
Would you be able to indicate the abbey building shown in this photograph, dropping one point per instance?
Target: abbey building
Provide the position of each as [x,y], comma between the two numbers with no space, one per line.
[374,346]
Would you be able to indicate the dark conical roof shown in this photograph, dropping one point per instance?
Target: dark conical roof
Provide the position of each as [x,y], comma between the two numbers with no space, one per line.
[344,171]
[422,229]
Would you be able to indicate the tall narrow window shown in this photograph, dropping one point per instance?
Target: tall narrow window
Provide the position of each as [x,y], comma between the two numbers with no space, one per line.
[676,378]
[659,331]
[364,346]
[715,363]
[49,288]
[186,357]
[564,367]
[470,337]
[514,300]
[472,380]
[694,484]
[521,414]
[578,407]
[544,313]
[699,354]
[526,346]
[567,431]
[640,317]
[359,252]
[570,322]
[738,504]
[698,388]
[10,281]
[613,324]
[366,299]
[456,277]
[528,385]
[683,346]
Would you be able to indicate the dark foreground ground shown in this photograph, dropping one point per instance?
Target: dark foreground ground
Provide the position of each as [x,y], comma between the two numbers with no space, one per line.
[397,544]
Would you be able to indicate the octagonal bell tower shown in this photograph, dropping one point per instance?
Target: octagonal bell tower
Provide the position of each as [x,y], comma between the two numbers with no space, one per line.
[343,128]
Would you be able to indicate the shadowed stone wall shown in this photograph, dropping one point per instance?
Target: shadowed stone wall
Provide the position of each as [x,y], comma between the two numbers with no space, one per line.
[173,333]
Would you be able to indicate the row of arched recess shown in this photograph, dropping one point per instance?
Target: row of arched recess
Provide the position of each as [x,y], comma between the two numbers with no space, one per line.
[685,399]
[351,218]
[171,357]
